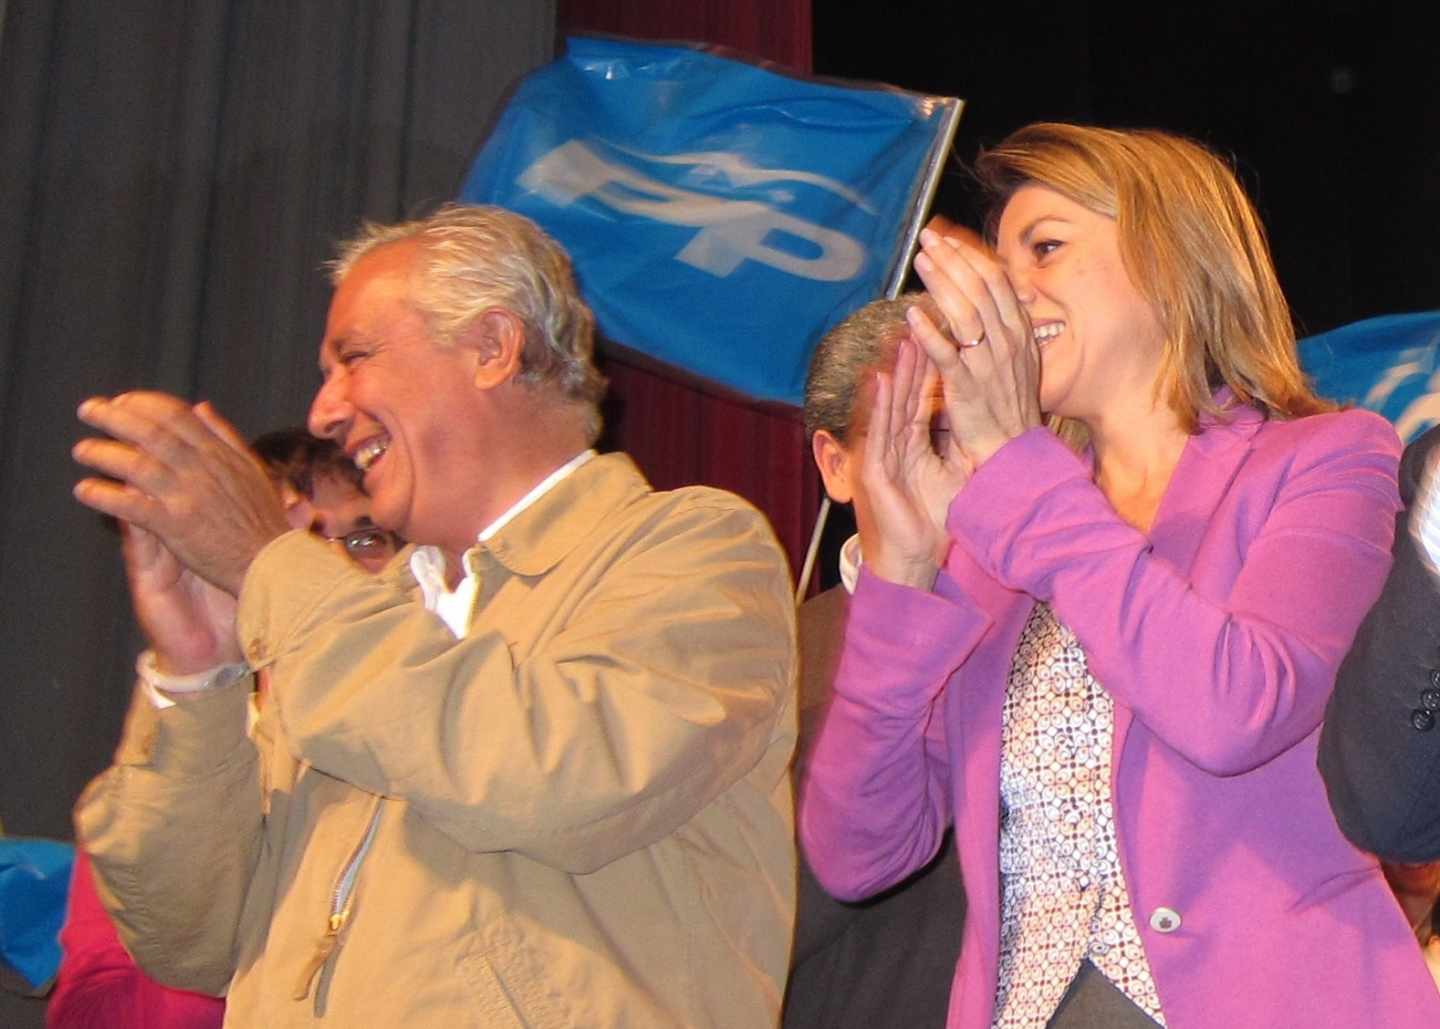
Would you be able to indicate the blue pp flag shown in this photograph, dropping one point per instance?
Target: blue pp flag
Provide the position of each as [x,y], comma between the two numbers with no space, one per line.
[720,216]
[1390,365]
[34,885]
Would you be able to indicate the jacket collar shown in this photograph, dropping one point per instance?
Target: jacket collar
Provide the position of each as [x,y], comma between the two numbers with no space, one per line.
[1207,466]
[543,534]
[1235,422]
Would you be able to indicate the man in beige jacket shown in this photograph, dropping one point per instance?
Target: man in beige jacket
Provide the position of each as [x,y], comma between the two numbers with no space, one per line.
[532,774]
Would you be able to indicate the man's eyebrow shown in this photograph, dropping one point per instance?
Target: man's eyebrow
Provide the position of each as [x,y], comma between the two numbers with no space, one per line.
[330,346]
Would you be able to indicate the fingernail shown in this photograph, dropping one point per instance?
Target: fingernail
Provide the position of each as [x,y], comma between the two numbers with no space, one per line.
[928,237]
[923,263]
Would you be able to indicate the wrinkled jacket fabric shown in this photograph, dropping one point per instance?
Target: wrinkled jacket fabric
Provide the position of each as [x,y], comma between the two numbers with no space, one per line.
[583,812]
[99,986]
[1217,633]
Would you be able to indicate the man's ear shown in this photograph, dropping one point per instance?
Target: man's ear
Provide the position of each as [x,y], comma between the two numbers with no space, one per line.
[835,466]
[497,339]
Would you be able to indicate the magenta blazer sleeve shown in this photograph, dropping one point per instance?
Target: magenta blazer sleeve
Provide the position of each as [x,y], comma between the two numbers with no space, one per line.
[1235,677]
[100,986]
[876,799]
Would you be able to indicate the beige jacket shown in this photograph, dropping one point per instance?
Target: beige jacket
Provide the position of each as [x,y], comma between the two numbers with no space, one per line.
[581,814]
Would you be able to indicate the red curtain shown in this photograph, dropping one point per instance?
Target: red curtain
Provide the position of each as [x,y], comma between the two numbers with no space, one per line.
[777,30]
[679,434]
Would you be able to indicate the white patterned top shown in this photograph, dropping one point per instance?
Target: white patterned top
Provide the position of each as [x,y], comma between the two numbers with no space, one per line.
[1063,895]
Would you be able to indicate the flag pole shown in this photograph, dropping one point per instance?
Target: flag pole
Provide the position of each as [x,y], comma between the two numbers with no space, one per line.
[929,182]
[812,551]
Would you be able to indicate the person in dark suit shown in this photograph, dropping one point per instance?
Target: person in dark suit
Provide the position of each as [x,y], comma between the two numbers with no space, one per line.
[887,961]
[1380,746]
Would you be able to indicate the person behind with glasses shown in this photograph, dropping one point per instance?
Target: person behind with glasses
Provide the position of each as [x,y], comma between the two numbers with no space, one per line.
[322,492]
[99,985]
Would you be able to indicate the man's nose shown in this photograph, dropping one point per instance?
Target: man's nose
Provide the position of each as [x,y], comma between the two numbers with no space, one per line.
[330,411]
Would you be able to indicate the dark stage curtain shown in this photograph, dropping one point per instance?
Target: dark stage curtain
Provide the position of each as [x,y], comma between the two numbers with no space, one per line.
[677,433]
[173,177]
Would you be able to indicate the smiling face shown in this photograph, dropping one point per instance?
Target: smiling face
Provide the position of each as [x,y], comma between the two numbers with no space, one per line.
[1100,340]
[400,405]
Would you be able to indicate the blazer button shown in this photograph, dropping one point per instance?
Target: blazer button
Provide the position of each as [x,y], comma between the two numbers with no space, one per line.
[1164,920]
[1430,699]
[1422,720]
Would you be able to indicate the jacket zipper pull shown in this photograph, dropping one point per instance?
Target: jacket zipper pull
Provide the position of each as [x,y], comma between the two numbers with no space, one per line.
[323,950]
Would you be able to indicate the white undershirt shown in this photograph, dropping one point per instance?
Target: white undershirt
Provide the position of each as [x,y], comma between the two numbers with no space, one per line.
[850,562]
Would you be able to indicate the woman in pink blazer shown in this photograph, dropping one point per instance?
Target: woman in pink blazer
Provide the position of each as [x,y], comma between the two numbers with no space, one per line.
[1101,649]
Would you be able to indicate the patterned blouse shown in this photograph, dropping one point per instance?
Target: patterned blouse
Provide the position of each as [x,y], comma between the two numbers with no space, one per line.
[1063,894]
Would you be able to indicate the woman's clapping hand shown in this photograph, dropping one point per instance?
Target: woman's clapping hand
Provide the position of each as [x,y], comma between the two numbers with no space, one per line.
[991,376]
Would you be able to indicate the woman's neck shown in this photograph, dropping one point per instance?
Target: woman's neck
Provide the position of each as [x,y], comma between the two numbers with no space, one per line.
[1136,452]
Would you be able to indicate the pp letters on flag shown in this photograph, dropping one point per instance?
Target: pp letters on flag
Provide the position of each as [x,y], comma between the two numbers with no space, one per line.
[721,216]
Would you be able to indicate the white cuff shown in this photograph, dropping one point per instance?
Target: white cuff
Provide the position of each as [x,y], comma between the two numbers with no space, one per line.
[157,683]
[1425,514]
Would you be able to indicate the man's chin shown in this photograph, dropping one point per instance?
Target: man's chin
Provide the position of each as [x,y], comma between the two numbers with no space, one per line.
[391,517]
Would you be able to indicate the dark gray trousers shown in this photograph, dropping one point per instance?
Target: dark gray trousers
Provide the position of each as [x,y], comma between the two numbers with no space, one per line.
[1094,1002]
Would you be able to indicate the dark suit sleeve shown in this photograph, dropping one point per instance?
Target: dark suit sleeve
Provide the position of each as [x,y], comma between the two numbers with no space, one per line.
[820,920]
[1380,745]
[881,962]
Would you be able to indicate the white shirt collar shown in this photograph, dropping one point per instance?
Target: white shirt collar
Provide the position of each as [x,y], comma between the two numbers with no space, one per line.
[543,487]
[427,564]
[850,561]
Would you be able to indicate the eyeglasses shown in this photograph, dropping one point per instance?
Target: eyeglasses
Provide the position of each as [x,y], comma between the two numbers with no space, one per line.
[370,542]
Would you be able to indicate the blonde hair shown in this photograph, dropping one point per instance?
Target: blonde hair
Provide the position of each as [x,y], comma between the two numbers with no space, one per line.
[474,258]
[1194,248]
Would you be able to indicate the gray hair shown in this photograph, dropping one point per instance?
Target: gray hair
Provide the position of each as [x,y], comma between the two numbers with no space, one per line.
[865,340]
[475,258]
